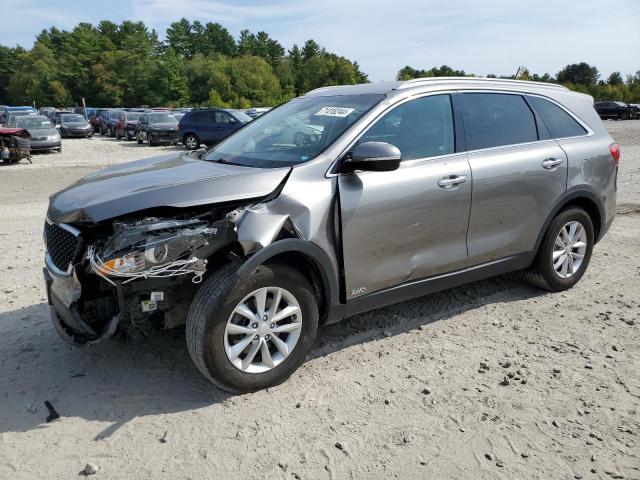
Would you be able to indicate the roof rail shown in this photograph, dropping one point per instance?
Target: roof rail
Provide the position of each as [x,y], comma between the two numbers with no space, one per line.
[503,81]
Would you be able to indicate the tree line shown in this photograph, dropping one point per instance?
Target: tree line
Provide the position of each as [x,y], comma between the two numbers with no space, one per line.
[198,64]
[580,77]
[127,64]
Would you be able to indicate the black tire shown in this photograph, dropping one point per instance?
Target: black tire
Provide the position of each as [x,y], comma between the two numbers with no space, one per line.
[541,273]
[191,141]
[151,144]
[138,139]
[212,307]
[624,116]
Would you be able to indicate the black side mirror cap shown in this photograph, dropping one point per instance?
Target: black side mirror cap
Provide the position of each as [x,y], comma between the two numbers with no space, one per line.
[372,157]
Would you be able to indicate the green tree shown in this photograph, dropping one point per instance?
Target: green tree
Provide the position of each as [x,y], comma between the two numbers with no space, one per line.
[169,82]
[180,38]
[578,74]
[615,79]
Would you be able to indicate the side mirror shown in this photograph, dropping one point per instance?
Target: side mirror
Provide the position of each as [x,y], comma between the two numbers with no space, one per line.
[373,157]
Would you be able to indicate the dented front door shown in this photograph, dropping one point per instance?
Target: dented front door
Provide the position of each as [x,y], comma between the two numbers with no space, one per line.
[406,224]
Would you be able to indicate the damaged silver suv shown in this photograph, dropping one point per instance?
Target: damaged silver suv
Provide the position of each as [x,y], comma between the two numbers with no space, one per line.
[338,202]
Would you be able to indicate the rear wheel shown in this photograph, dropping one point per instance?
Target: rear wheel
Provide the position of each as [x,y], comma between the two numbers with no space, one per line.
[191,142]
[564,253]
[248,334]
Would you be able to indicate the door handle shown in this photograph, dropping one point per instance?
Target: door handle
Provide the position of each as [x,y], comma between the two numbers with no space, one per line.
[451,181]
[551,163]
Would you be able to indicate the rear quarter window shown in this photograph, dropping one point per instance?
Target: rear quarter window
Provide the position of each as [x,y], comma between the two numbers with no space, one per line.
[497,119]
[559,123]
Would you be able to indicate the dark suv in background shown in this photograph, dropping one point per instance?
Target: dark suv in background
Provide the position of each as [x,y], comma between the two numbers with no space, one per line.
[210,125]
[619,110]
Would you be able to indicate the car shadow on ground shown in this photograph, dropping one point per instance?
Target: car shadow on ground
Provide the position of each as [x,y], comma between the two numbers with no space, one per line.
[116,382]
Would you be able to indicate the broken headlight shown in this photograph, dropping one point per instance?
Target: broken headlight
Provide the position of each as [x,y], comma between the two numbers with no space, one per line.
[152,248]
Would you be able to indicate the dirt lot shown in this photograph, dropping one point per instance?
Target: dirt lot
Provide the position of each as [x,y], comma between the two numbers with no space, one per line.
[415,390]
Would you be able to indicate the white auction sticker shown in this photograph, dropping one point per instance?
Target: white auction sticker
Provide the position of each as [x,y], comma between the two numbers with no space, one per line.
[334,111]
[157,296]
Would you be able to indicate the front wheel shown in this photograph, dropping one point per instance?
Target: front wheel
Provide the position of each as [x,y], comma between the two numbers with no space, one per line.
[249,334]
[565,251]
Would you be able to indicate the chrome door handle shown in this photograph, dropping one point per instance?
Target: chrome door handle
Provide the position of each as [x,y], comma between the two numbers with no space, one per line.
[551,163]
[451,181]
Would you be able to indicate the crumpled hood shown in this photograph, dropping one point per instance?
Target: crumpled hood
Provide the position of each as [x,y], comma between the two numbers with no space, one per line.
[167,181]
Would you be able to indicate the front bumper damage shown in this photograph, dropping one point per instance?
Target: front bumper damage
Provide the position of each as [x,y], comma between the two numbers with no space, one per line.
[90,303]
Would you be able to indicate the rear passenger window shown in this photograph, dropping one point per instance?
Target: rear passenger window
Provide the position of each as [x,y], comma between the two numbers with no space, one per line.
[420,128]
[200,116]
[559,123]
[495,119]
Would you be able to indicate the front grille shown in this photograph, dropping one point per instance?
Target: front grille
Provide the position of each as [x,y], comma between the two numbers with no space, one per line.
[62,245]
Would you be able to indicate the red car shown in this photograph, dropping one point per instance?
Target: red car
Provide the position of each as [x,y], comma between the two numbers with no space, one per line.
[126,125]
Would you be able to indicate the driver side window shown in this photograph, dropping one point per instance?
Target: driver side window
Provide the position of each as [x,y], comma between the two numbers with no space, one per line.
[420,128]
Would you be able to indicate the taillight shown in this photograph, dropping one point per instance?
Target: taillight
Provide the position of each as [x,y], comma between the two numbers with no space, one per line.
[614,150]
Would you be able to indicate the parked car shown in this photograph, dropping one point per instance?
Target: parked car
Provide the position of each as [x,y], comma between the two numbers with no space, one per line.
[210,125]
[618,110]
[74,125]
[256,112]
[157,128]
[47,111]
[44,136]
[15,114]
[256,243]
[126,124]
[103,121]
[110,123]
[94,119]
[57,115]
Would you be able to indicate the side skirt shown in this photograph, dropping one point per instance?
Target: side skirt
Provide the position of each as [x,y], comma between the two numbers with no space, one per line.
[418,288]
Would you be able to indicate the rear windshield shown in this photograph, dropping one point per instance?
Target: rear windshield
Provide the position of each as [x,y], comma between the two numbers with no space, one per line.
[133,116]
[294,132]
[34,123]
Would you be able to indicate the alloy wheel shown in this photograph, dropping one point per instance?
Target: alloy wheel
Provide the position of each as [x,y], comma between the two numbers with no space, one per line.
[569,249]
[191,142]
[263,330]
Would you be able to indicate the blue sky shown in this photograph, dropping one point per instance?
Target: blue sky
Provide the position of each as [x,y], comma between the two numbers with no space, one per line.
[479,36]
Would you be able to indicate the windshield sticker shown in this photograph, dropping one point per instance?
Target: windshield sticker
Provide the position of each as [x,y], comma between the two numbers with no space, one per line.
[334,111]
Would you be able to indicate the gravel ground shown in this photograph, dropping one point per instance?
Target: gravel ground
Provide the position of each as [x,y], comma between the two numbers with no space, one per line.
[490,380]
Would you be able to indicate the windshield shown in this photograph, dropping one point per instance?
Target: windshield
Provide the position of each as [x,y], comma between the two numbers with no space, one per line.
[34,123]
[162,118]
[294,132]
[73,118]
[133,116]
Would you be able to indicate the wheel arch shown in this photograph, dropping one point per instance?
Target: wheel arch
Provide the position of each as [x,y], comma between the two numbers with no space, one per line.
[578,197]
[312,262]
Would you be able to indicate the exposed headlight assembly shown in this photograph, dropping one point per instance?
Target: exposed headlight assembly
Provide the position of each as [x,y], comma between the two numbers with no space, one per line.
[154,248]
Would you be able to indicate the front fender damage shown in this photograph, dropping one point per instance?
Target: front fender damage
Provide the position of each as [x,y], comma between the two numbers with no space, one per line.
[257,227]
